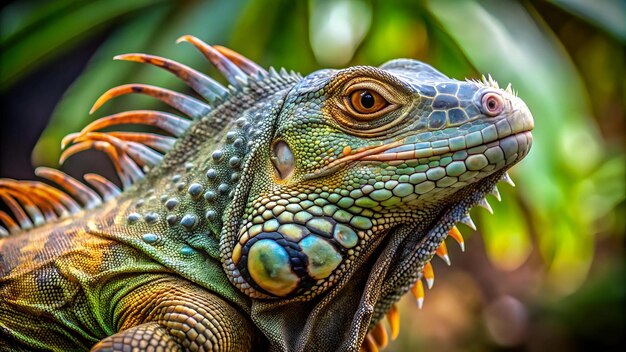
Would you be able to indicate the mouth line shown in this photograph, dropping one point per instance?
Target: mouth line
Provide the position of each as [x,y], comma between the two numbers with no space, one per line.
[429,149]
[400,151]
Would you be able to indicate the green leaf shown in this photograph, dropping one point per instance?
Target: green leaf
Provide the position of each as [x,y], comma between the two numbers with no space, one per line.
[506,233]
[271,42]
[19,18]
[510,42]
[56,31]
[609,15]
[336,29]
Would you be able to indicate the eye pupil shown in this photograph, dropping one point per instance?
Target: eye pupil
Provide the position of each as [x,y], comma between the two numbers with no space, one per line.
[367,100]
[492,104]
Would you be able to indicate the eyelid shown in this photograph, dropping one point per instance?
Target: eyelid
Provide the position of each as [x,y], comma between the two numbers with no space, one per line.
[374,124]
[354,99]
[367,84]
[372,85]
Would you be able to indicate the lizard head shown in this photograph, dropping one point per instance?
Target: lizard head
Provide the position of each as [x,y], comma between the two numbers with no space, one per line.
[359,151]
[358,184]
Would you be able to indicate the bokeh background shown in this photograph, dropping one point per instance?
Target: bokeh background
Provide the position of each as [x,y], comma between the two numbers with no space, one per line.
[545,272]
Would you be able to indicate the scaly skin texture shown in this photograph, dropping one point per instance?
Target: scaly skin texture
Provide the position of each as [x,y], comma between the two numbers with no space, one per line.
[290,215]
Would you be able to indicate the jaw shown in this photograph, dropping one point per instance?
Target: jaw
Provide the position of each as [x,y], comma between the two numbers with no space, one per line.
[420,243]
[339,319]
[388,268]
[415,244]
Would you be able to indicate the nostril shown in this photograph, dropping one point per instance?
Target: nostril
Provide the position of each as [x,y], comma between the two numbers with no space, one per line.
[492,104]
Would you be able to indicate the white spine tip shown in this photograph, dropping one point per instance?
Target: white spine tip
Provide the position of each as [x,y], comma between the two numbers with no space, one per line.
[467,221]
[483,203]
[446,259]
[420,303]
[430,283]
[183,38]
[494,192]
[507,179]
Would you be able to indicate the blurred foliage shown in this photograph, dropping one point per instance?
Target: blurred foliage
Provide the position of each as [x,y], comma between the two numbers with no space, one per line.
[564,57]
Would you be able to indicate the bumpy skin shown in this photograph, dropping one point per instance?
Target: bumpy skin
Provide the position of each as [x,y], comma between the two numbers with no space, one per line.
[284,219]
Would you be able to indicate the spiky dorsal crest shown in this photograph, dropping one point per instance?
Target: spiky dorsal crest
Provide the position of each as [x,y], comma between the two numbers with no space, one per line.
[488,81]
[35,203]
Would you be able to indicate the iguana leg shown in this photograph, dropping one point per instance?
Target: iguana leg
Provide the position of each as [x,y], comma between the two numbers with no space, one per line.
[144,337]
[175,311]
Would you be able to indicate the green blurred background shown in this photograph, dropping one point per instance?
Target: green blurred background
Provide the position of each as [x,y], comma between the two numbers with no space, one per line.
[545,272]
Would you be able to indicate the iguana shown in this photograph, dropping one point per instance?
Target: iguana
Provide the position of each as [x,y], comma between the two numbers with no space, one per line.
[283,213]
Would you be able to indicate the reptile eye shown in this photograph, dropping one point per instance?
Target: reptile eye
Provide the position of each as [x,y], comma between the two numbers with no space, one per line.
[366,101]
[283,160]
[492,104]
